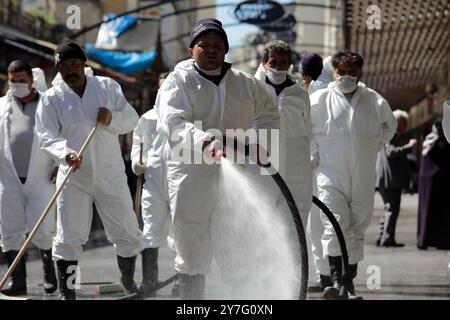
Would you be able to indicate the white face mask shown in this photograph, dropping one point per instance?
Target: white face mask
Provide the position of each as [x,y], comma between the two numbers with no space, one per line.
[346,83]
[275,76]
[215,72]
[19,90]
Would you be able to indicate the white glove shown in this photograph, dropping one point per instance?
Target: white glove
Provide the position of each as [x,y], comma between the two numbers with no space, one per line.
[138,168]
[213,152]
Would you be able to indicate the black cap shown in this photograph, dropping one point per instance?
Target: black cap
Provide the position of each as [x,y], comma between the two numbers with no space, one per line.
[204,25]
[68,49]
[311,65]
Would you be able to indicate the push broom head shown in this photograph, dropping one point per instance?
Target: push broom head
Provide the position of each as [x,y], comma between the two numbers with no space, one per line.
[109,288]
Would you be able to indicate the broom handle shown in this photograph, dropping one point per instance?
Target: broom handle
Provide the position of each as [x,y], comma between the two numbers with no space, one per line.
[138,196]
[46,211]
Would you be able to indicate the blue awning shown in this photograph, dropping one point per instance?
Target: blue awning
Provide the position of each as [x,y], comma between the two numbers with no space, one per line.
[121,24]
[124,62]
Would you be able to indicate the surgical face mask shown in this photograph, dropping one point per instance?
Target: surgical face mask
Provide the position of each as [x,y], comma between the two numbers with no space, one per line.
[275,76]
[19,90]
[346,83]
[215,72]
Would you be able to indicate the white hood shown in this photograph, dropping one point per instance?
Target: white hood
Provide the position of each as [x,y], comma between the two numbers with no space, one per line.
[327,72]
[261,73]
[39,82]
[186,65]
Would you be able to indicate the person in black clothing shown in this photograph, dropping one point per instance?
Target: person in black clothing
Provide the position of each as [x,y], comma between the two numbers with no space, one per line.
[434,189]
[393,177]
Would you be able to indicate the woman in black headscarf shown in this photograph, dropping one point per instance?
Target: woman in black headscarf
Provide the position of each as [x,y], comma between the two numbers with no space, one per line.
[434,190]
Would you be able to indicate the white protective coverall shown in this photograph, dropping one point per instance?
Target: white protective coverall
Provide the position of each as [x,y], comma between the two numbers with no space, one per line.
[325,77]
[21,205]
[295,131]
[63,122]
[446,119]
[239,101]
[315,226]
[155,195]
[347,137]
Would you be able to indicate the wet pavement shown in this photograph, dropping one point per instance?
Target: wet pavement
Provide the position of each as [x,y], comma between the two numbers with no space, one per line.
[386,273]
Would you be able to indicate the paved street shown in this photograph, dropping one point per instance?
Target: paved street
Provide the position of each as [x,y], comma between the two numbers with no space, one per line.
[404,273]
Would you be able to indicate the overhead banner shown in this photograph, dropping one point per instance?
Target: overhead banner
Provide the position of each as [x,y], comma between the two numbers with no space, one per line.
[259,12]
[287,23]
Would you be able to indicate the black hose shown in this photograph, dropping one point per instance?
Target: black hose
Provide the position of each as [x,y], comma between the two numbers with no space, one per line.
[299,225]
[339,234]
[295,216]
[300,232]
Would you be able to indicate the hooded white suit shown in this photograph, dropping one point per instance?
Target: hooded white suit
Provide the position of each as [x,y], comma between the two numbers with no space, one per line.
[22,204]
[347,137]
[325,77]
[155,195]
[63,122]
[315,226]
[185,97]
[295,130]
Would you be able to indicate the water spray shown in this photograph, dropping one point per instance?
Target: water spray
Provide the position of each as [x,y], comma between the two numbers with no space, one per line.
[300,229]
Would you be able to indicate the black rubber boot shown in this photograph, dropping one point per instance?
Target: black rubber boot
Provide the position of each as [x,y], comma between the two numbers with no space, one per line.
[50,282]
[325,281]
[149,272]
[17,286]
[337,291]
[192,287]
[127,267]
[315,288]
[67,274]
[321,284]
[350,287]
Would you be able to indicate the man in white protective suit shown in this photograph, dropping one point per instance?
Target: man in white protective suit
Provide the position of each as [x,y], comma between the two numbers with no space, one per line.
[295,122]
[201,94]
[315,227]
[325,77]
[65,116]
[310,68]
[26,179]
[446,117]
[350,123]
[155,195]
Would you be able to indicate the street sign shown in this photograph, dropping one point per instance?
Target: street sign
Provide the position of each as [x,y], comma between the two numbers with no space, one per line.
[259,12]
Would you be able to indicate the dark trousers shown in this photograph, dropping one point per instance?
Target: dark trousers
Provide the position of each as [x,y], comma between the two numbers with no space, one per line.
[391,199]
